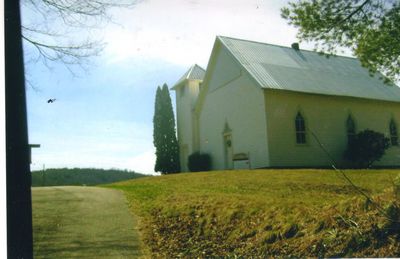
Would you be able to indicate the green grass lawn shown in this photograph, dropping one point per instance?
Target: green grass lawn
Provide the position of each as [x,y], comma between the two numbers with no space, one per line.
[264,213]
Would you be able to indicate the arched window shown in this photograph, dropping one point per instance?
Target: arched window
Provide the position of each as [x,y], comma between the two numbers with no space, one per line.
[351,129]
[393,133]
[300,129]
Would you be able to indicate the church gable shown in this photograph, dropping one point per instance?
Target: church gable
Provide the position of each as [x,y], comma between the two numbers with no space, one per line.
[224,70]
[231,97]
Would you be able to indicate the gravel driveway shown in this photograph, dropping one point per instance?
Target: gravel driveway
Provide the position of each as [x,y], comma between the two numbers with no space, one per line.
[83,222]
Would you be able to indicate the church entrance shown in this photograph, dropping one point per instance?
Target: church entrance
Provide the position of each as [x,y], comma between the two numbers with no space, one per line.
[228,151]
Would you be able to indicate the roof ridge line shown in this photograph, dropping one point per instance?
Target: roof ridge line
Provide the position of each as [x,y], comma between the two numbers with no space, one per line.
[190,71]
[195,64]
[281,46]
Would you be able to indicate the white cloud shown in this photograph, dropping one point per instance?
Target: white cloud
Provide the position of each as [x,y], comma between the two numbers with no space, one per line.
[143,163]
[182,32]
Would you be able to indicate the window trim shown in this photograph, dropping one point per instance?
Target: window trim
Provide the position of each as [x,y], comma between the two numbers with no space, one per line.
[350,134]
[394,135]
[300,130]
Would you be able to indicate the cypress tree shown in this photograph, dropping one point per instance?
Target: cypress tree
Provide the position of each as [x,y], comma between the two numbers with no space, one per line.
[157,128]
[164,134]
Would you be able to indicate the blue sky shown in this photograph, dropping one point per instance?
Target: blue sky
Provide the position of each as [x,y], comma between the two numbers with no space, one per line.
[103,117]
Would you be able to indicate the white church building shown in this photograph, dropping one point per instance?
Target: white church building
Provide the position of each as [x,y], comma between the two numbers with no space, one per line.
[259,105]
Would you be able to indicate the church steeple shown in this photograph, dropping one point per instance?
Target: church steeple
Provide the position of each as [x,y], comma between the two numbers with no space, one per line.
[187,90]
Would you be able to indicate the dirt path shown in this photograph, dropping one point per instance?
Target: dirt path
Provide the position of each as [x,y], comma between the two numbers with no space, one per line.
[82,222]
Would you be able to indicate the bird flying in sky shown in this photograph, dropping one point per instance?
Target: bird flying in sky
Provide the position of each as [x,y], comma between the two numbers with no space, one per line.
[51,100]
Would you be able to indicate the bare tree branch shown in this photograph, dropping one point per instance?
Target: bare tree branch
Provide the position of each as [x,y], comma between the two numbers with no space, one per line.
[55,28]
[357,9]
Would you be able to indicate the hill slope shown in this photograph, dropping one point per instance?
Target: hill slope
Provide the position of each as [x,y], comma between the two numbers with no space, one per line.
[80,176]
[266,213]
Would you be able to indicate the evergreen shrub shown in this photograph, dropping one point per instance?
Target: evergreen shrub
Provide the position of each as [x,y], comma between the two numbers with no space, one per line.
[365,148]
[199,162]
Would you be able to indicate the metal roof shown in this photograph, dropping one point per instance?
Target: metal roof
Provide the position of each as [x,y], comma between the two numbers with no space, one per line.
[195,72]
[284,68]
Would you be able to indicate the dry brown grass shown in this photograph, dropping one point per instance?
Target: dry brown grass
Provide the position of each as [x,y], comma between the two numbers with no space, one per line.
[264,213]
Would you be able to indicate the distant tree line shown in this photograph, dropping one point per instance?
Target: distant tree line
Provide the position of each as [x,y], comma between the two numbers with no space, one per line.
[80,176]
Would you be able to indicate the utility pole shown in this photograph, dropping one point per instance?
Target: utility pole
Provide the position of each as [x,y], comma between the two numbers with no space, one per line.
[18,178]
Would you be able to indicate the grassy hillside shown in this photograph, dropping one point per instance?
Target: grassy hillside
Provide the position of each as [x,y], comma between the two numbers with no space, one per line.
[266,213]
[80,176]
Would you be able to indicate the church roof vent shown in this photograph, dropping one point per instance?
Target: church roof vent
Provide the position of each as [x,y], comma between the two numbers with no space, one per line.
[295,46]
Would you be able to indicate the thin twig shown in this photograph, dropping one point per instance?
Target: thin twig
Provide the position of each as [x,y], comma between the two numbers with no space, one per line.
[358,189]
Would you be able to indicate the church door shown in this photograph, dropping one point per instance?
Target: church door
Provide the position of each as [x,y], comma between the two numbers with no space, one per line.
[228,150]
